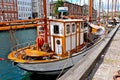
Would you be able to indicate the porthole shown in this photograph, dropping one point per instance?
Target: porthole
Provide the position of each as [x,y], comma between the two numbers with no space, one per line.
[58,42]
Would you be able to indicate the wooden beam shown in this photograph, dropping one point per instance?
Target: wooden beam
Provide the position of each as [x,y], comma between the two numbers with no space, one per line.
[20,21]
[45,20]
[19,26]
[90,9]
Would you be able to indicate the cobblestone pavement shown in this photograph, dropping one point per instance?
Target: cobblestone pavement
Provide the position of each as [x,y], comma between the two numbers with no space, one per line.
[111,62]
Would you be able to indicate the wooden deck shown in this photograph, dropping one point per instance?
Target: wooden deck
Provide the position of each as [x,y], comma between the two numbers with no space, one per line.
[82,69]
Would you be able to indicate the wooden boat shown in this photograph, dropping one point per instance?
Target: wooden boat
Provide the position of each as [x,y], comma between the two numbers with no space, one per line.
[66,45]
[60,44]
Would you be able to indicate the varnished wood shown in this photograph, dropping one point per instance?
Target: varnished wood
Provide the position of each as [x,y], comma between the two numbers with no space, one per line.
[19,27]
[90,9]
[45,20]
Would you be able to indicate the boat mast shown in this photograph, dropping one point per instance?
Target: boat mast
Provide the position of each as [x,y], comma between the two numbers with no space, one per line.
[115,7]
[112,8]
[102,10]
[99,11]
[107,11]
[118,5]
[45,20]
[90,10]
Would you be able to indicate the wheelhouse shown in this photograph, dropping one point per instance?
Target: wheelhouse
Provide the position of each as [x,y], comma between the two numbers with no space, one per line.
[66,36]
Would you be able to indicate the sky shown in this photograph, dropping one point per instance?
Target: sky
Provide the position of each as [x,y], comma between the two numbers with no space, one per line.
[96,6]
[104,2]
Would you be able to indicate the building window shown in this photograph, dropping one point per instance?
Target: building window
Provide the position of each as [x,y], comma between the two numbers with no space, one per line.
[5,7]
[14,1]
[67,29]
[0,6]
[11,1]
[56,29]
[5,0]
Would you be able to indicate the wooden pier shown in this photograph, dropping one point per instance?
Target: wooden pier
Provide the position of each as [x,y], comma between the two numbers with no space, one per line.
[110,66]
[83,68]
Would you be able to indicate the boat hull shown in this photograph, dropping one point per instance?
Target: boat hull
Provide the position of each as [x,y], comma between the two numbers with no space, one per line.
[53,72]
[55,67]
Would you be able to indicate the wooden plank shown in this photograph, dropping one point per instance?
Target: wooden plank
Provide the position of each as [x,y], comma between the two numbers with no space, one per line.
[78,71]
[19,26]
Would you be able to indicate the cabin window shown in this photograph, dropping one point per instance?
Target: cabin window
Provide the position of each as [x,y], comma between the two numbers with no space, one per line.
[67,29]
[82,25]
[56,29]
[73,28]
[78,26]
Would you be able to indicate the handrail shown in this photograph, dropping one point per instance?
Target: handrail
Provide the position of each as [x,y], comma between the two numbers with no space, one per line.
[23,45]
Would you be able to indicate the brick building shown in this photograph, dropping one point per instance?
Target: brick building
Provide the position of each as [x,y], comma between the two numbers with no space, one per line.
[73,9]
[8,10]
[86,11]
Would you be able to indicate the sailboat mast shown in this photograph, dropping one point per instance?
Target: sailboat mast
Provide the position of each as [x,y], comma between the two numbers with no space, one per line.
[90,10]
[118,5]
[107,11]
[45,20]
[99,10]
[112,8]
[115,7]
[102,10]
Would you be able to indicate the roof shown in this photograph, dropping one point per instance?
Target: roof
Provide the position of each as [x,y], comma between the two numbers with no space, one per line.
[95,26]
[67,20]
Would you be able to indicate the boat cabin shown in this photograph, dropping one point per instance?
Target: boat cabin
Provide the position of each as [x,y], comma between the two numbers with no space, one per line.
[66,36]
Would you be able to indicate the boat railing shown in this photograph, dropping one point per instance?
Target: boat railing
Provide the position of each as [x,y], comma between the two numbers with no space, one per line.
[23,45]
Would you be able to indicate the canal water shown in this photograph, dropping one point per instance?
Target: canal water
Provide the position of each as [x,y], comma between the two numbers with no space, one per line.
[7,70]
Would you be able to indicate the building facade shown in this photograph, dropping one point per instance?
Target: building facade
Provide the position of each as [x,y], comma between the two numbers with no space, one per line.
[8,10]
[24,9]
[86,11]
[73,9]
[37,8]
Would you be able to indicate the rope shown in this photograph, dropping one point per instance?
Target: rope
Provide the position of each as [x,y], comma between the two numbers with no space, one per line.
[65,65]
[12,37]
